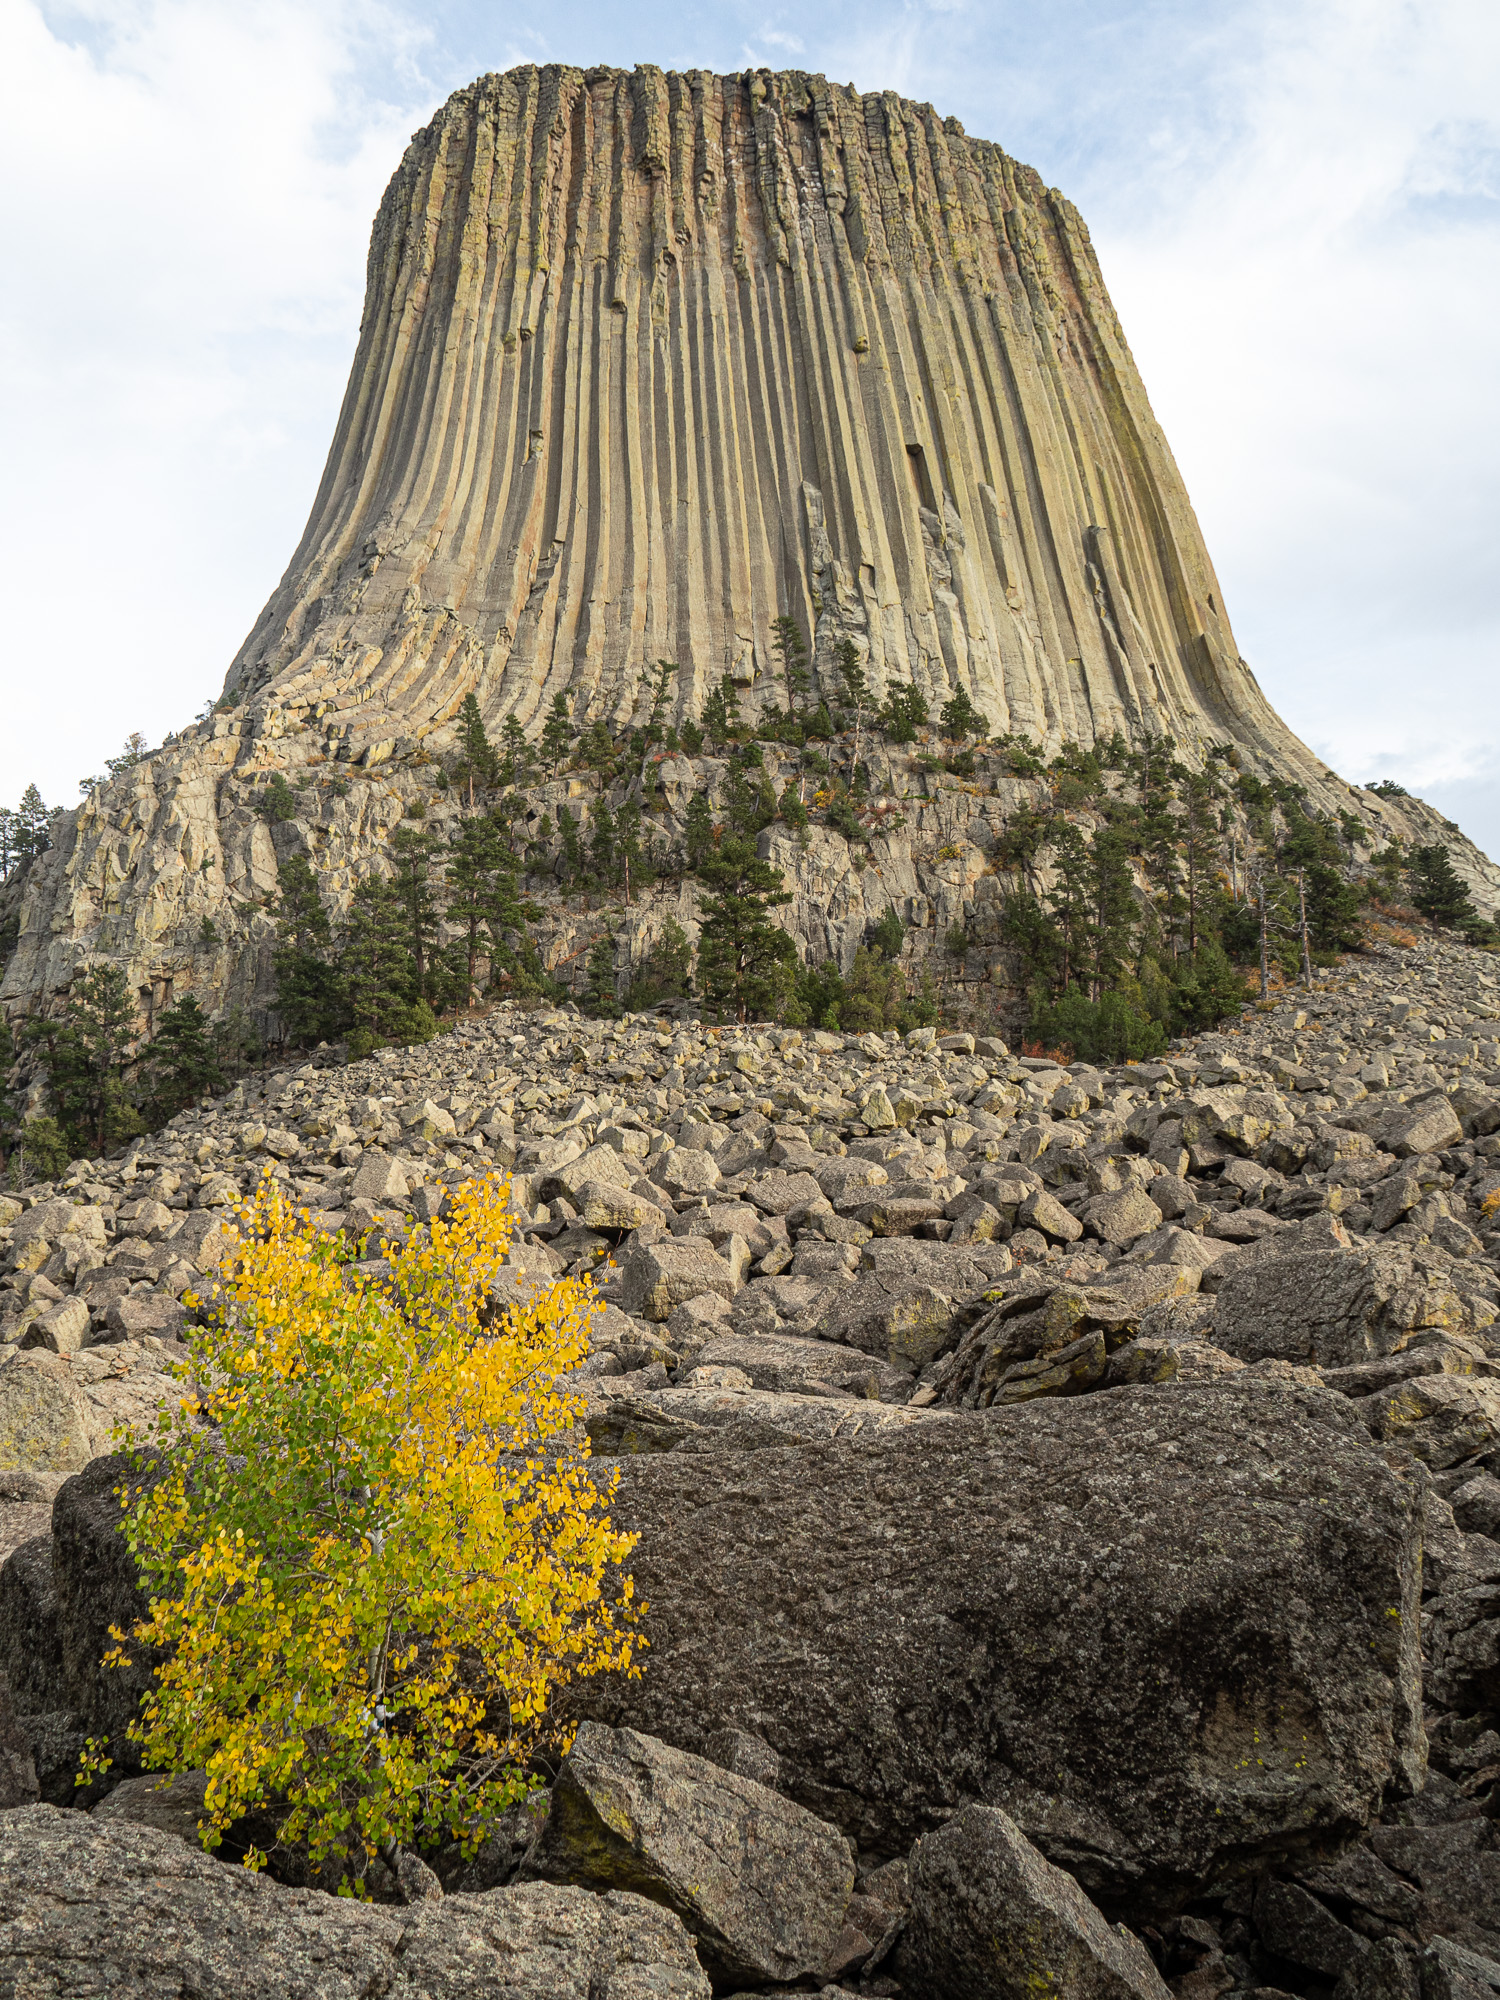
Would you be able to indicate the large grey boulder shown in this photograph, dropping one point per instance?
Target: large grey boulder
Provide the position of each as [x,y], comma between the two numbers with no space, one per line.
[18,1779]
[1168,1629]
[97,1588]
[1336,1308]
[93,1907]
[787,1364]
[1442,1419]
[45,1421]
[60,1596]
[990,1919]
[657,1277]
[900,1306]
[760,1883]
[1426,1126]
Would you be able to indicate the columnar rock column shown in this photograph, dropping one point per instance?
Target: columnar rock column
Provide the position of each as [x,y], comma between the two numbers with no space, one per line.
[650,359]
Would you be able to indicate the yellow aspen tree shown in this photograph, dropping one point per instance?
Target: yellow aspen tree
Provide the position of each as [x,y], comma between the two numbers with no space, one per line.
[372,1557]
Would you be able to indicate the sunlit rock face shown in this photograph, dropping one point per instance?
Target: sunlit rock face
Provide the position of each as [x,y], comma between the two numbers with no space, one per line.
[649,359]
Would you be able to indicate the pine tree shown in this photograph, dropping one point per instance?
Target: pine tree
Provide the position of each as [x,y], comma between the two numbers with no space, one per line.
[744,960]
[1438,890]
[1310,862]
[1114,912]
[888,935]
[477,763]
[791,648]
[181,1062]
[632,861]
[85,1054]
[1207,989]
[698,830]
[598,750]
[601,998]
[661,688]
[666,972]
[960,718]
[749,801]
[411,883]
[517,761]
[602,842]
[505,815]
[721,714]
[852,674]
[567,828]
[482,897]
[1072,902]
[10,1117]
[557,733]
[1333,908]
[1158,831]
[33,825]
[1036,935]
[375,964]
[1203,848]
[310,995]
[9,834]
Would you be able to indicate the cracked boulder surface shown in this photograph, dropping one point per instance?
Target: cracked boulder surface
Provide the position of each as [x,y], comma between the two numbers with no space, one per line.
[1221,1578]
[93,1907]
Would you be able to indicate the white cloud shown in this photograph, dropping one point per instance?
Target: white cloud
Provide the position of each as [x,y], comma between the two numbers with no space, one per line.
[1312,303]
[190,191]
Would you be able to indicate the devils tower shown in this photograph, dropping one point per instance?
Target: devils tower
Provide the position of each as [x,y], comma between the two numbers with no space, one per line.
[647,361]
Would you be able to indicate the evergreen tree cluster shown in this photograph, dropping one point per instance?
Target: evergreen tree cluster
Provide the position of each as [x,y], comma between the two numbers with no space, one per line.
[1138,885]
[106,1081]
[1233,869]
[390,967]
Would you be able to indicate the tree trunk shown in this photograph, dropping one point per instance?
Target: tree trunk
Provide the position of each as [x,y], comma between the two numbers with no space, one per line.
[1302,932]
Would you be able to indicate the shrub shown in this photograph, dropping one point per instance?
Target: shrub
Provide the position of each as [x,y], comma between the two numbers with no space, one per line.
[888,935]
[1105,1030]
[904,713]
[368,1577]
[842,817]
[279,801]
[1021,755]
[45,1152]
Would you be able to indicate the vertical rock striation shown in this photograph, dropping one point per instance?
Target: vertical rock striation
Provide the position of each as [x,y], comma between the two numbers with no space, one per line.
[649,359]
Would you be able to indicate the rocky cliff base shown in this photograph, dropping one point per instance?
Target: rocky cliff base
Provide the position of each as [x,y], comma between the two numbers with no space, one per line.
[1069,1501]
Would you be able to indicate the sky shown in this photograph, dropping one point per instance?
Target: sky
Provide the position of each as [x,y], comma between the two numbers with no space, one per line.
[1296,204]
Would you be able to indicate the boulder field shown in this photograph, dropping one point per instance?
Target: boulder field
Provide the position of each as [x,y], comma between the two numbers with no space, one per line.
[1069,1503]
